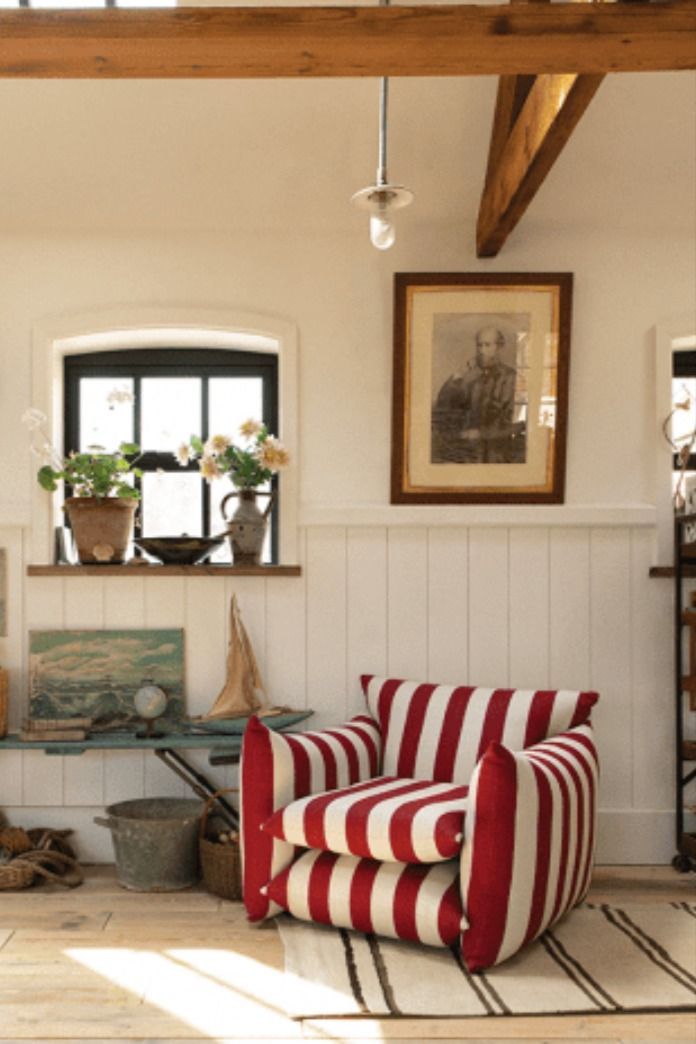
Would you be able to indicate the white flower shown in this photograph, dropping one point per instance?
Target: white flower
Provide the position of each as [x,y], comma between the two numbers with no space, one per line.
[250,428]
[272,454]
[216,445]
[118,395]
[210,469]
[184,454]
[34,419]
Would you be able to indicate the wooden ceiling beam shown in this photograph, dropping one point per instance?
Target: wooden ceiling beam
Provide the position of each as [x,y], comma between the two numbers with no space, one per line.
[441,40]
[518,165]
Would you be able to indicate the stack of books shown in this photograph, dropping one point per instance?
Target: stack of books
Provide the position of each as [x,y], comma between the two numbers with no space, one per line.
[39,730]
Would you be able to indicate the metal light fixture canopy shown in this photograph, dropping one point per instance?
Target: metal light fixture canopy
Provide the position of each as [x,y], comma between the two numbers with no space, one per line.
[381,199]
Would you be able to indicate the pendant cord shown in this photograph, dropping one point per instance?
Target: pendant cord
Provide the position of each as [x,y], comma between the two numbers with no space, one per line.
[383,101]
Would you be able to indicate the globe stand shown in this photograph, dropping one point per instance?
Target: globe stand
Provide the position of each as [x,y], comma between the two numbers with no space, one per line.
[151,731]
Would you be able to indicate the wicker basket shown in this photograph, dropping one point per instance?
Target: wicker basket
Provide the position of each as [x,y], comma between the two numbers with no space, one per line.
[16,874]
[221,864]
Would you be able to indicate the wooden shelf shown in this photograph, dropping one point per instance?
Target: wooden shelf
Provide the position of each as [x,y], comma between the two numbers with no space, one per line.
[163,570]
[668,571]
[689,750]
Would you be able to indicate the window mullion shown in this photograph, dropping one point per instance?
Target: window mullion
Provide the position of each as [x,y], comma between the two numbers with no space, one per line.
[205,434]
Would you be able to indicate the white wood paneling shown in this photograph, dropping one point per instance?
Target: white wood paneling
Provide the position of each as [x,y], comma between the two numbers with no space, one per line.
[366,610]
[448,604]
[489,624]
[652,688]
[526,605]
[569,609]
[326,625]
[407,603]
[610,645]
[286,642]
[529,608]
[206,643]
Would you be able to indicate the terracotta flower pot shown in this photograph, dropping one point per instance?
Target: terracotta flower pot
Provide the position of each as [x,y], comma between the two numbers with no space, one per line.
[101,528]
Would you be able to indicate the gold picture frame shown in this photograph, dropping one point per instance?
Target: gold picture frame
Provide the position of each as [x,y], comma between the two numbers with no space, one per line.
[480,392]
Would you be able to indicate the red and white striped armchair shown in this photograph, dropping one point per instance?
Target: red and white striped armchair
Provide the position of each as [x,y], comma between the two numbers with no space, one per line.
[447,815]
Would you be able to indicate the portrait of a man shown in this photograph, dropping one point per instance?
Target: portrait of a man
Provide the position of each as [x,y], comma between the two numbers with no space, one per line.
[479,408]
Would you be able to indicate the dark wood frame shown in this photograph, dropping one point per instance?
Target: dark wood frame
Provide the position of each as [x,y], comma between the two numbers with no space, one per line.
[559,283]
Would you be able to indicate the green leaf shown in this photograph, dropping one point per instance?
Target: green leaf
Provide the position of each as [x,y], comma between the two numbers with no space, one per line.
[47,478]
[197,443]
[129,448]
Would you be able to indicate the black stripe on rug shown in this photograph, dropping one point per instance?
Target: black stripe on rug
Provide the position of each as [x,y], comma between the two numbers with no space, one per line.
[351,968]
[653,950]
[577,973]
[382,974]
[474,982]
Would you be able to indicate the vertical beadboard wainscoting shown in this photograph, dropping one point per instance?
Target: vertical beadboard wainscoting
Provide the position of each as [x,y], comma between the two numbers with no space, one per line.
[525,606]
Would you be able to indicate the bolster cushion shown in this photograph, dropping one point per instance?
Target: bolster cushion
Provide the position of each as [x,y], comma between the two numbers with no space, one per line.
[529,842]
[402,820]
[441,732]
[404,901]
[275,769]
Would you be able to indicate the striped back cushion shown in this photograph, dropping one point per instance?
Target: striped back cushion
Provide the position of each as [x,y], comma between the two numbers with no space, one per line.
[440,732]
[529,842]
[411,901]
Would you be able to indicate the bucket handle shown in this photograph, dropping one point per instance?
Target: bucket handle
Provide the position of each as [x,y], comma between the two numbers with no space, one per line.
[209,805]
[109,823]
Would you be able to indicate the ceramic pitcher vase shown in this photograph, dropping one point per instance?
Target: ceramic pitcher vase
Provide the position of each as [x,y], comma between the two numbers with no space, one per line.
[246,529]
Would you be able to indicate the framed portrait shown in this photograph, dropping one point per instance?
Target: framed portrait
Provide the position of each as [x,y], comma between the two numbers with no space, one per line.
[480,395]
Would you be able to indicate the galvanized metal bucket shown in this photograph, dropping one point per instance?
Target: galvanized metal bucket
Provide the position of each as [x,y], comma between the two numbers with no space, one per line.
[155,842]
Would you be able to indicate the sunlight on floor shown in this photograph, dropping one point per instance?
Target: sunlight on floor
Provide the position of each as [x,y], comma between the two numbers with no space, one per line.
[216,992]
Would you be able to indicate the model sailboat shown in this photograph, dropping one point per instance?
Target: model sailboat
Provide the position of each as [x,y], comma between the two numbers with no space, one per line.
[243,692]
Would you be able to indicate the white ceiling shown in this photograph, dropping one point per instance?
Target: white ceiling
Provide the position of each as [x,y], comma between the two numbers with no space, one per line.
[122,156]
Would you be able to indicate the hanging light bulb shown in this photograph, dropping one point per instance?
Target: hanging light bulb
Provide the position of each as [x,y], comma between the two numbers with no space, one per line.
[382,198]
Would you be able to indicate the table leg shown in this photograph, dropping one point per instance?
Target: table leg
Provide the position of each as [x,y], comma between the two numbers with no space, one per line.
[198,783]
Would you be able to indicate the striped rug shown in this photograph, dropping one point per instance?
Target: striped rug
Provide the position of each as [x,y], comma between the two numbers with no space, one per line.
[599,959]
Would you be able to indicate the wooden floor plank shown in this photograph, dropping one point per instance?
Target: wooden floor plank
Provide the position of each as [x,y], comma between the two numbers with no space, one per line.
[101,964]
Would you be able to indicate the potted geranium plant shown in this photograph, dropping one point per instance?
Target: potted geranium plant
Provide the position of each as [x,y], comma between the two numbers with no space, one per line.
[249,466]
[102,507]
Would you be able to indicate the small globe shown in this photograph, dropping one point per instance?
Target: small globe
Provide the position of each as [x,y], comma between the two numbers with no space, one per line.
[150,701]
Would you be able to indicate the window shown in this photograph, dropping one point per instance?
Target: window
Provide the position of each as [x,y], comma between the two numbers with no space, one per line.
[158,398]
[683,418]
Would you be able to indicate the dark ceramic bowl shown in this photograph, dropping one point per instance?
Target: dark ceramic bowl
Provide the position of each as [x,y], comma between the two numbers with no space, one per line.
[182,550]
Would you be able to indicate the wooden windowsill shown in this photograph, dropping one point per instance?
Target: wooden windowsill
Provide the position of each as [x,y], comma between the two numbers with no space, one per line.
[163,570]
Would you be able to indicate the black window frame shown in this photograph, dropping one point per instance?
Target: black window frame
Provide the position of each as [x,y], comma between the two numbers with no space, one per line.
[203,363]
[684,365]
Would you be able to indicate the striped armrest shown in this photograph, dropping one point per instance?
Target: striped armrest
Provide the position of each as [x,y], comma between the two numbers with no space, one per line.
[529,842]
[278,768]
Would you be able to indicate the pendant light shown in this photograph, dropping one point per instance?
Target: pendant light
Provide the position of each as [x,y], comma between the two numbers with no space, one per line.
[381,199]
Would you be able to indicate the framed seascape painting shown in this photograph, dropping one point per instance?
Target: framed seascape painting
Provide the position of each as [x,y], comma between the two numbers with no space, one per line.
[96,674]
[480,393]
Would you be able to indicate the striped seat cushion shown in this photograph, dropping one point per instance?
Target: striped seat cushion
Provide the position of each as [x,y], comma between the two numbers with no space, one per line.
[407,820]
[415,902]
[440,732]
[529,842]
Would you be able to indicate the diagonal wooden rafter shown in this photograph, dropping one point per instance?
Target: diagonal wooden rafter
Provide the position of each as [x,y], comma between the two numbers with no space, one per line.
[520,158]
[534,118]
